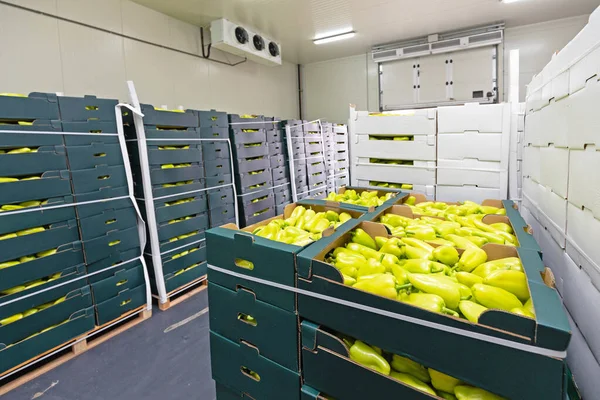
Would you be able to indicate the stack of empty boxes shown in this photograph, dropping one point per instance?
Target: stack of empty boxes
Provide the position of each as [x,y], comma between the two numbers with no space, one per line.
[396,149]
[280,169]
[315,160]
[515,170]
[216,154]
[171,181]
[328,141]
[341,156]
[297,156]
[473,152]
[253,178]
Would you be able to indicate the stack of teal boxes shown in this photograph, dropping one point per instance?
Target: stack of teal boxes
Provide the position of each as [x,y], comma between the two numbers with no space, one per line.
[255,342]
[280,168]
[295,149]
[253,177]
[216,153]
[177,192]
[68,228]
[505,358]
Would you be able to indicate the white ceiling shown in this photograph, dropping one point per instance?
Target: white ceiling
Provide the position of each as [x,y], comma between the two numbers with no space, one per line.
[296,22]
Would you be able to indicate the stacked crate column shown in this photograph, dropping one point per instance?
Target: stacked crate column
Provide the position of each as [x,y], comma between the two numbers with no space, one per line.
[108,228]
[314,150]
[473,152]
[396,149]
[280,169]
[253,177]
[178,197]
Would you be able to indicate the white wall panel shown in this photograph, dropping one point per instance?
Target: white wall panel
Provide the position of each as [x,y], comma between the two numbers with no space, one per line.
[48,6]
[45,52]
[149,68]
[96,68]
[184,36]
[537,43]
[30,52]
[330,86]
[105,14]
[143,23]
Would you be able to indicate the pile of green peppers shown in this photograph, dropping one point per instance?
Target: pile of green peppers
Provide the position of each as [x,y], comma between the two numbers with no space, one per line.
[436,279]
[414,374]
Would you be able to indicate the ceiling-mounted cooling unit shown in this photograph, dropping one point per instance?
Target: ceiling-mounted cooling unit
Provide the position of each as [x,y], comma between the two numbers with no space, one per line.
[442,43]
[244,42]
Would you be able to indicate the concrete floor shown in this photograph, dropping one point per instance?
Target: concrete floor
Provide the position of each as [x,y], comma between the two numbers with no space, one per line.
[155,360]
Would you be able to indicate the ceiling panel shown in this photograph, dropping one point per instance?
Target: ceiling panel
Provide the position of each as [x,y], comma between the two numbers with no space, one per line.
[296,22]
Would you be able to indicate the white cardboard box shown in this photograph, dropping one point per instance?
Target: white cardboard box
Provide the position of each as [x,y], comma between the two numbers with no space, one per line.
[584,183]
[548,208]
[583,364]
[532,163]
[485,174]
[582,116]
[473,117]
[462,193]
[421,148]
[553,127]
[422,173]
[472,144]
[583,231]
[428,191]
[578,294]
[408,122]
[554,169]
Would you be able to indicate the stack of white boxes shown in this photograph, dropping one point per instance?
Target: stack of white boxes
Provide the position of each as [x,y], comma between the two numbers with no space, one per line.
[515,162]
[372,147]
[561,188]
[473,152]
[341,157]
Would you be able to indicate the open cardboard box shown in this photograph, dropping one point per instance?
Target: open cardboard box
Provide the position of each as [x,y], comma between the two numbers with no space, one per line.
[231,248]
[436,348]
[323,352]
[520,228]
[399,195]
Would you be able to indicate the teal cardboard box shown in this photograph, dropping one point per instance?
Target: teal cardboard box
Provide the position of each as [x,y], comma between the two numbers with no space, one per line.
[34,106]
[101,247]
[77,324]
[67,255]
[99,177]
[33,233]
[125,301]
[48,185]
[395,196]
[33,320]
[438,348]
[323,352]
[32,163]
[96,153]
[110,219]
[243,253]
[180,267]
[177,206]
[169,118]
[240,366]
[238,315]
[121,279]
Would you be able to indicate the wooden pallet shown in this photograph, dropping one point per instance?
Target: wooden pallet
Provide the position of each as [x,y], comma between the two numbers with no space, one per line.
[77,346]
[184,292]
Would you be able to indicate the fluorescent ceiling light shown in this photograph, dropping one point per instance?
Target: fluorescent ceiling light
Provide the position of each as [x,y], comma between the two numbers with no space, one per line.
[509,1]
[335,38]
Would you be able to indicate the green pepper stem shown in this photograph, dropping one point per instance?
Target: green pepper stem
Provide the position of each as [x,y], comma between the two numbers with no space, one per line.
[450,312]
[405,286]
